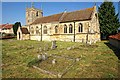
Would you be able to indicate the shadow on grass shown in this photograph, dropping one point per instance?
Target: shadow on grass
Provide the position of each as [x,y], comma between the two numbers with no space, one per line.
[116,51]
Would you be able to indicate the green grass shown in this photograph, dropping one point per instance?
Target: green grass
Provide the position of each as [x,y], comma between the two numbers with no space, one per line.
[97,60]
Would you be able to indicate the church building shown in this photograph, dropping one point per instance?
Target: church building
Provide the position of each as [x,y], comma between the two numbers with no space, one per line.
[75,26]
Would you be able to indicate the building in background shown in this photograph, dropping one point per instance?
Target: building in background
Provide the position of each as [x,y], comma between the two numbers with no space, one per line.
[32,14]
[23,33]
[6,28]
[77,26]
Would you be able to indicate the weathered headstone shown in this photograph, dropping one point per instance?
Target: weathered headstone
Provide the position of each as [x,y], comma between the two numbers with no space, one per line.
[69,48]
[53,45]
[59,75]
[46,55]
[77,59]
[40,49]
[53,61]
[46,47]
[43,57]
[39,57]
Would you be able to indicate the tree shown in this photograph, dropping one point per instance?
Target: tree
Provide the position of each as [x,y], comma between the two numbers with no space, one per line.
[15,27]
[108,19]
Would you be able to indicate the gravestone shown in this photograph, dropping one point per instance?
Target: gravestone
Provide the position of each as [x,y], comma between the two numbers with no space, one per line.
[53,45]
[53,61]
[46,48]
[77,59]
[69,48]
[43,57]
[59,75]
[40,49]
[39,57]
[46,55]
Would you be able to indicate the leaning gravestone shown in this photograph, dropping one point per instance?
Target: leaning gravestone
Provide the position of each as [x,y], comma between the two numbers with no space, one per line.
[77,59]
[40,49]
[53,45]
[46,48]
[43,57]
[39,57]
[46,55]
[69,48]
[53,61]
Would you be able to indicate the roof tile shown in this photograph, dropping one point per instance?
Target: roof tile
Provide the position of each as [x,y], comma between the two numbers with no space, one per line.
[25,31]
[68,16]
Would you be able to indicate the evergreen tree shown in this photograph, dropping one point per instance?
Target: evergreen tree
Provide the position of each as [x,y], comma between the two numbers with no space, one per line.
[108,19]
[15,27]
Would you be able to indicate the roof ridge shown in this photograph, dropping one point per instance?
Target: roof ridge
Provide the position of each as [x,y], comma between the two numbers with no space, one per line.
[81,10]
[68,12]
[64,15]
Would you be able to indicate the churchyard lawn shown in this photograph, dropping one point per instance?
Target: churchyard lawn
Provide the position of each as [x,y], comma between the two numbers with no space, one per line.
[94,61]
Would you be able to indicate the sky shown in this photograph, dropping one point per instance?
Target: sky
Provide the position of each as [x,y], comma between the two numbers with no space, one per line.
[119,10]
[15,11]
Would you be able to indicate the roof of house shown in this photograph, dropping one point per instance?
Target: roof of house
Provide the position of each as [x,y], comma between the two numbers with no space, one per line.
[7,26]
[25,31]
[117,36]
[67,16]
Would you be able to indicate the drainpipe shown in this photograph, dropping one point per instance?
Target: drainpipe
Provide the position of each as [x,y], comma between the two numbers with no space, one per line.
[41,32]
[74,32]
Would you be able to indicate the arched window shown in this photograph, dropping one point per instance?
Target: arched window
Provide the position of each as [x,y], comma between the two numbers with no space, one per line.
[70,28]
[37,30]
[32,30]
[37,13]
[96,15]
[45,30]
[56,29]
[65,28]
[80,27]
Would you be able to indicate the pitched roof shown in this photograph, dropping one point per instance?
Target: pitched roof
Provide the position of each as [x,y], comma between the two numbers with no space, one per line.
[25,31]
[117,36]
[7,26]
[67,16]
[78,15]
[47,19]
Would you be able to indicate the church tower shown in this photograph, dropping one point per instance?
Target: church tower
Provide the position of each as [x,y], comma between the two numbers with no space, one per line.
[32,14]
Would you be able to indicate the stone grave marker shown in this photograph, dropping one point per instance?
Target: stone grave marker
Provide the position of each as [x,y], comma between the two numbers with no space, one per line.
[46,55]
[53,45]
[46,48]
[40,49]
[43,57]
[77,59]
[69,48]
[39,57]
[53,61]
